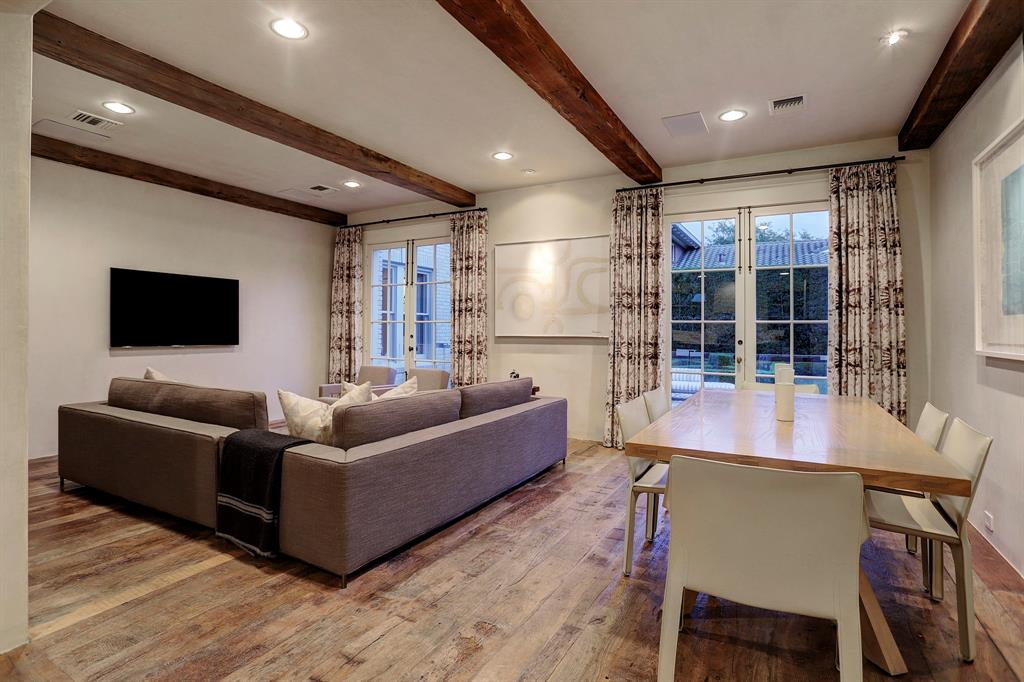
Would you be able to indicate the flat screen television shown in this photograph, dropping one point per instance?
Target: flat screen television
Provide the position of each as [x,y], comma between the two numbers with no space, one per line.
[163,309]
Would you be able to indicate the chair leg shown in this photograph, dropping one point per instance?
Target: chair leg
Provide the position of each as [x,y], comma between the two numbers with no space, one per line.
[965,598]
[851,659]
[912,544]
[652,516]
[62,484]
[926,563]
[936,582]
[630,521]
[671,623]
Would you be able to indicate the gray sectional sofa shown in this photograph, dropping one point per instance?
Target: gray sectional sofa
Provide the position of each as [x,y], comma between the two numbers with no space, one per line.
[396,469]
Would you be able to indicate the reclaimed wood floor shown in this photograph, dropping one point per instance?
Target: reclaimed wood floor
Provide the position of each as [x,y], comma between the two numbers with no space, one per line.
[529,587]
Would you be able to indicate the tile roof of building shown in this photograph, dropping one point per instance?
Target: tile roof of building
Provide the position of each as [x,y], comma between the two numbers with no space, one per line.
[810,252]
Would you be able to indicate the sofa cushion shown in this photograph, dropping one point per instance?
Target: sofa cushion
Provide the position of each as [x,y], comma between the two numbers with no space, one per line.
[483,398]
[358,424]
[227,407]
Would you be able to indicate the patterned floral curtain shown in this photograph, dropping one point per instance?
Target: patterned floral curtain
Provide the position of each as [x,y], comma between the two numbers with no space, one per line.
[346,350]
[867,339]
[637,301]
[469,298]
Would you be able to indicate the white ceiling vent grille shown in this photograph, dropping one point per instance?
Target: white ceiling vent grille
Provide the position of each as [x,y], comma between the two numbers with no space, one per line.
[317,191]
[786,105]
[322,189]
[94,120]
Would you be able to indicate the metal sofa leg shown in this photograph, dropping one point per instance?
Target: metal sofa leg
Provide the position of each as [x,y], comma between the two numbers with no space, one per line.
[62,484]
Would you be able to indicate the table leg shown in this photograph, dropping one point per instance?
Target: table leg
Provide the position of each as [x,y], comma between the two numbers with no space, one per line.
[936,584]
[876,637]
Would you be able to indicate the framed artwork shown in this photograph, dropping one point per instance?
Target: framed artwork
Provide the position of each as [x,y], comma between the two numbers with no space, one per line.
[999,246]
[552,288]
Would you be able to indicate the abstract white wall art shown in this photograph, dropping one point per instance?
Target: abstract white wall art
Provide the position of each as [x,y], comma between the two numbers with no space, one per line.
[552,288]
[999,246]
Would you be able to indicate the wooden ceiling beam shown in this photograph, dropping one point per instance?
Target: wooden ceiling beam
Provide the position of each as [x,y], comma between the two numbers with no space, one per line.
[986,31]
[81,48]
[76,155]
[513,34]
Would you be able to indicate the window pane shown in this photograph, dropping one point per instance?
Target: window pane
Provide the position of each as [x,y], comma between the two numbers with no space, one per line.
[720,295]
[425,262]
[443,341]
[397,263]
[720,347]
[772,346]
[773,294]
[685,382]
[686,346]
[719,381]
[376,303]
[424,302]
[424,341]
[685,295]
[822,384]
[810,293]
[686,245]
[443,301]
[386,339]
[379,266]
[720,243]
[810,349]
[443,261]
[772,239]
[810,238]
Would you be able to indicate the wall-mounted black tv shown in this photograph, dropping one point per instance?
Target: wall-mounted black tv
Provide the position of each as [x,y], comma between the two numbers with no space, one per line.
[162,309]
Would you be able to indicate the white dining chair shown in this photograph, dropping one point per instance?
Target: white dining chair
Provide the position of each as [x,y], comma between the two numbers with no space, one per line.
[780,540]
[930,426]
[799,388]
[658,402]
[942,518]
[645,475]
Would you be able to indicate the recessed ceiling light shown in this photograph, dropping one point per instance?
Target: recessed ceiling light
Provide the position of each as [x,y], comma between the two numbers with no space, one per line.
[732,115]
[119,107]
[351,184]
[502,156]
[894,37]
[528,171]
[289,28]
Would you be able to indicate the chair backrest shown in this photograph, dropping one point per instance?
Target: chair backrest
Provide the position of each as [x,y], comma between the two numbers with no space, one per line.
[632,417]
[377,375]
[658,402]
[931,425]
[969,449]
[799,388]
[429,379]
[782,540]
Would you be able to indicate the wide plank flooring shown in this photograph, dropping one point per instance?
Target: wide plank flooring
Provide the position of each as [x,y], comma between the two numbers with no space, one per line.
[528,587]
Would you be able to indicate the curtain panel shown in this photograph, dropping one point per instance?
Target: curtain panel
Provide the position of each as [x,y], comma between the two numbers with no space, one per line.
[637,261]
[867,336]
[346,349]
[469,298]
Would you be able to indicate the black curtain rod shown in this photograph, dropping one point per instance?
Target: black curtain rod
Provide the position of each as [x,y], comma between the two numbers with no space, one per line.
[780,171]
[414,217]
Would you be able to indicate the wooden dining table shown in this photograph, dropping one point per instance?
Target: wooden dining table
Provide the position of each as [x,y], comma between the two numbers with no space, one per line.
[828,433]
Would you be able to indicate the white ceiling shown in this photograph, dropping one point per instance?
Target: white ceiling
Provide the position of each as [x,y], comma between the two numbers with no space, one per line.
[404,78]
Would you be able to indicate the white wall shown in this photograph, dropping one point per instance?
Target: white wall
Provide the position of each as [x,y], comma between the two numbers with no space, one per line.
[988,393]
[85,222]
[578,368]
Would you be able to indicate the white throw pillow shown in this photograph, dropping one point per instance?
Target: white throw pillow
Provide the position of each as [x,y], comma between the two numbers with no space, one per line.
[408,388]
[156,375]
[312,419]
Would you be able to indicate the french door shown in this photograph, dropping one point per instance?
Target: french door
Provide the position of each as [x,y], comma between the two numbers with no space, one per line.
[749,290]
[410,305]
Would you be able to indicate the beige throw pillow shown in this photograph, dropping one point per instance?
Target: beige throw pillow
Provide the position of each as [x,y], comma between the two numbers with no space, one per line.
[156,375]
[407,388]
[312,419]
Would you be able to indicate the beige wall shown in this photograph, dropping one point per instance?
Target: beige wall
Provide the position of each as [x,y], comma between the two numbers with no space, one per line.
[577,368]
[988,393]
[15,180]
[85,222]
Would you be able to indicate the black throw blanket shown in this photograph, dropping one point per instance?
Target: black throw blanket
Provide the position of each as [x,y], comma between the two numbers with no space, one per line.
[249,489]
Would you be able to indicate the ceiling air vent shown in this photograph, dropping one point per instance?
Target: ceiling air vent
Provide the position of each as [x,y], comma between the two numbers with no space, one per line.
[94,120]
[786,105]
[322,189]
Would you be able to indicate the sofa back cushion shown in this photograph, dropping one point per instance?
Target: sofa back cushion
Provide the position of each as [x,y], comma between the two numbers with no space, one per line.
[226,407]
[482,398]
[369,422]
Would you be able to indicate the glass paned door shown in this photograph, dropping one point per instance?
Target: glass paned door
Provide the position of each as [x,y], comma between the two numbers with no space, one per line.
[410,305]
[704,303]
[789,285]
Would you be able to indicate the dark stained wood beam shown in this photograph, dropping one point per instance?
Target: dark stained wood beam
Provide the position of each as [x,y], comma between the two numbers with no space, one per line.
[76,155]
[986,31]
[513,34]
[76,46]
